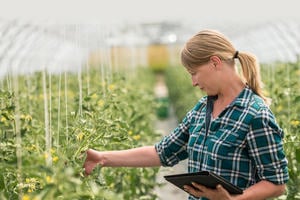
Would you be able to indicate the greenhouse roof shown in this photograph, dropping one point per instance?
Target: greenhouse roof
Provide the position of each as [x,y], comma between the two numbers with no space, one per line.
[45,45]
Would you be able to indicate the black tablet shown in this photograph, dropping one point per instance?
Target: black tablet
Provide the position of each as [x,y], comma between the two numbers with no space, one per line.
[205,178]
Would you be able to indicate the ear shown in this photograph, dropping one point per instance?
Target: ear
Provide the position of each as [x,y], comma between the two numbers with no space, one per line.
[216,61]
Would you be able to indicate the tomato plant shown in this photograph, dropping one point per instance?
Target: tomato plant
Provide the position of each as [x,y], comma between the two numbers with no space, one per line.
[83,112]
[282,83]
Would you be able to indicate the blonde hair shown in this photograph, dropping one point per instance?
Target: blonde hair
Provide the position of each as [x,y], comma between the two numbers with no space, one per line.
[198,50]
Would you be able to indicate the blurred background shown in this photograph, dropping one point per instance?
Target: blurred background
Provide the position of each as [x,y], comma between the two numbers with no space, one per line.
[133,32]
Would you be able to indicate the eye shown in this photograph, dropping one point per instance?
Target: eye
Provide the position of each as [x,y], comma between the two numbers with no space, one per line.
[192,72]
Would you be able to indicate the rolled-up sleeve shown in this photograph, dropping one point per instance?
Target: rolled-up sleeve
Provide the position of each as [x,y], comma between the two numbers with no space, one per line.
[265,143]
[173,147]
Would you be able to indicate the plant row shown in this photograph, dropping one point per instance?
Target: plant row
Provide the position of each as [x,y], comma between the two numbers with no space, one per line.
[48,121]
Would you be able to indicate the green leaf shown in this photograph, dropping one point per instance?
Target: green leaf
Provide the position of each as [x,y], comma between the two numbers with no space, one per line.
[298,155]
[297,98]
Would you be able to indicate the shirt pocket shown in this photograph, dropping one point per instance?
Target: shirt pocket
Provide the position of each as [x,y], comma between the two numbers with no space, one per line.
[224,144]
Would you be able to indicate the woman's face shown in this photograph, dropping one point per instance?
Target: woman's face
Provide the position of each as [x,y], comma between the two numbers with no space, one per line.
[205,77]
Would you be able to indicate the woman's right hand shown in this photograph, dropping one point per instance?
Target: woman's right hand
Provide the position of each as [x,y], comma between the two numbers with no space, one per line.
[93,158]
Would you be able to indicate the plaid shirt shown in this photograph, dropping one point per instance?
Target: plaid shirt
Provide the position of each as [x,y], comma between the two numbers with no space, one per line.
[243,145]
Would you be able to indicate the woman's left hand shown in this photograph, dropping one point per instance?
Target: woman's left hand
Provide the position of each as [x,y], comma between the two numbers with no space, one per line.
[213,194]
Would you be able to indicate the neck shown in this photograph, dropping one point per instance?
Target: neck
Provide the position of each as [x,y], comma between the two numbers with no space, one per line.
[230,91]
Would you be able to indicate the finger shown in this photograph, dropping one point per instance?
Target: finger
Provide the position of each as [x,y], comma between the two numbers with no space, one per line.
[189,188]
[86,172]
[199,187]
[193,191]
[221,189]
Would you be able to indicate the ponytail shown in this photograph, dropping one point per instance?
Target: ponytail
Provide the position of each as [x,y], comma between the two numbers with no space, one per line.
[251,73]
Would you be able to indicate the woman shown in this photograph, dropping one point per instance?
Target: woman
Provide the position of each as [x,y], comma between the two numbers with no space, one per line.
[242,142]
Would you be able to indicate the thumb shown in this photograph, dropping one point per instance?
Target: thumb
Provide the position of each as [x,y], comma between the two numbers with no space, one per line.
[221,189]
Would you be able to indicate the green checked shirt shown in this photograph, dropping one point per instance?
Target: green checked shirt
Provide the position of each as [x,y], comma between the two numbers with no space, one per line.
[243,145]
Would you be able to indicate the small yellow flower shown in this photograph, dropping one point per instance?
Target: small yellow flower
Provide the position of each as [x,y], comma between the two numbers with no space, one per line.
[25,197]
[28,117]
[295,122]
[79,136]
[130,132]
[49,179]
[136,137]
[55,159]
[94,96]
[101,103]
[279,108]
[3,119]
[52,151]
[111,87]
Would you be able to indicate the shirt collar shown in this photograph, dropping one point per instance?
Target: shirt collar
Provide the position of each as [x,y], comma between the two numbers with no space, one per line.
[244,98]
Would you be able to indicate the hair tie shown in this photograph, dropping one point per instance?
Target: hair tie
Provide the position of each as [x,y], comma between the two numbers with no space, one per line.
[236,55]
